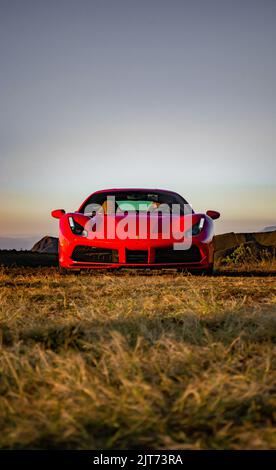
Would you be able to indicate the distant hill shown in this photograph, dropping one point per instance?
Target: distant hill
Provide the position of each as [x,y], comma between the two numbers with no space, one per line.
[272,228]
[46,245]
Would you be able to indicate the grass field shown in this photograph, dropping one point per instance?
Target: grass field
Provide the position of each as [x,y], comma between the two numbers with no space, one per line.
[133,361]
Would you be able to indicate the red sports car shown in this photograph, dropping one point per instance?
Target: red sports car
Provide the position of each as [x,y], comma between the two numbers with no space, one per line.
[149,228]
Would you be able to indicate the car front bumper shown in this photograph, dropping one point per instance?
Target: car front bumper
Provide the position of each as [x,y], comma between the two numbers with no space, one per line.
[82,253]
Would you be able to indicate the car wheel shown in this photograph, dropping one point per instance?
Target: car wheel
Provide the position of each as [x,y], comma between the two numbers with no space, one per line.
[62,271]
[209,271]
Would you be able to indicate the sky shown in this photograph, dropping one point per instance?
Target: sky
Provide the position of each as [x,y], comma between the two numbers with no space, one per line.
[170,94]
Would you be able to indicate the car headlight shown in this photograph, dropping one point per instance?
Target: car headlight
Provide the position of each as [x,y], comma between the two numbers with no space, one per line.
[196,228]
[77,228]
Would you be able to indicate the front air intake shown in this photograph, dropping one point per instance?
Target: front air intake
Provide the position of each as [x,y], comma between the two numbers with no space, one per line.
[169,255]
[137,256]
[92,254]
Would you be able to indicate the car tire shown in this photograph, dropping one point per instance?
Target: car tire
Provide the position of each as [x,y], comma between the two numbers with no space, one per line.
[209,271]
[62,271]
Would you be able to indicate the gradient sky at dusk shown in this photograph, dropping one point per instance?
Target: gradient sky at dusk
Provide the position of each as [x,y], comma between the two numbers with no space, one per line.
[108,93]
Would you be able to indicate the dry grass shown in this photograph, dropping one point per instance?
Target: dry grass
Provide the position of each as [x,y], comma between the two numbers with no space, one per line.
[135,361]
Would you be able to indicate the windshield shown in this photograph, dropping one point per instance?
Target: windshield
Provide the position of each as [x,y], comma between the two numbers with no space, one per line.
[132,201]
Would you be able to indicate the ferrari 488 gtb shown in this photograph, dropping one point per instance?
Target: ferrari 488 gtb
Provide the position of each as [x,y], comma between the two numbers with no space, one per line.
[136,228]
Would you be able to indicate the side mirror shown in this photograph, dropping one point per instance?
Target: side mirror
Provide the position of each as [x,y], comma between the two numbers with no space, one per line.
[213,214]
[57,214]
